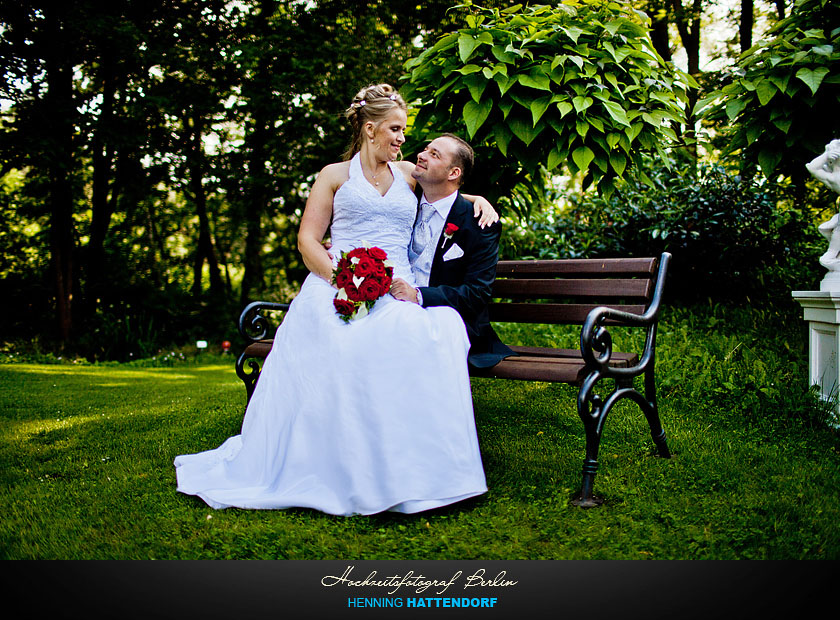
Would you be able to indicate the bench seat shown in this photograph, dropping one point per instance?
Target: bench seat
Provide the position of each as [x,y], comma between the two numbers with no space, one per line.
[546,364]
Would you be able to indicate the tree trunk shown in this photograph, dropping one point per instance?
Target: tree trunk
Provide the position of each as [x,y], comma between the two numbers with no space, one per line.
[59,114]
[257,191]
[658,12]
[204,250]
[688,25]
[745,27]
[101,205]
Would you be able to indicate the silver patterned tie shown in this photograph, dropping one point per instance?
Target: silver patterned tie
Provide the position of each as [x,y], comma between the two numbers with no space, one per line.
[421,243]
[422,236]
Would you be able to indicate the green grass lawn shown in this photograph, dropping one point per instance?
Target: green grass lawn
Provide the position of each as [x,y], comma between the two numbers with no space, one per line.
[86,462]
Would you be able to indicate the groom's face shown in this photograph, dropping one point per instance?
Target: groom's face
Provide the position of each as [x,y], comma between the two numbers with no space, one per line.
[435,163]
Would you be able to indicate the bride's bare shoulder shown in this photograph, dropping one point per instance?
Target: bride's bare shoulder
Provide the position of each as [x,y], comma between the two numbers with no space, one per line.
[335,174]
[406,167]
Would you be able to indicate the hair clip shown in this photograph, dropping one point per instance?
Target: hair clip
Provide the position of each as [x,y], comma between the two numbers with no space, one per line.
[361,103]
[393,97]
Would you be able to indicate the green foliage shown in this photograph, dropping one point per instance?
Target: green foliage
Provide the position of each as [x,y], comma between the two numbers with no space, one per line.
[198,130]
[575,86]
[779,107]
[730,237]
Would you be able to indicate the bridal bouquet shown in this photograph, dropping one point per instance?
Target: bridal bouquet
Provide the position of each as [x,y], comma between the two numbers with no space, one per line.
[362,276]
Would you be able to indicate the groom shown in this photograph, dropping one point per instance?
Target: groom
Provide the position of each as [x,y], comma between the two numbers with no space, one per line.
[454,260]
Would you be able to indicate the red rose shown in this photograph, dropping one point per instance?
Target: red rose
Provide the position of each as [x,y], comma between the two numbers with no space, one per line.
[370,289]
[353,293]
[343,264]
[357,253]
[384,278]
[344,307]
[450,229]
[377,253]
[365,266]
[379,271]
[343,278]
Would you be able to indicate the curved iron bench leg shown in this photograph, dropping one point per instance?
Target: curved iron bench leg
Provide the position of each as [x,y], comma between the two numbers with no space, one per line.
[591,412]
[249,378]
[652,414]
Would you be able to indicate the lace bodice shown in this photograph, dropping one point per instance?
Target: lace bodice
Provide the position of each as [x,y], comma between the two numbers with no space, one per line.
[361,215]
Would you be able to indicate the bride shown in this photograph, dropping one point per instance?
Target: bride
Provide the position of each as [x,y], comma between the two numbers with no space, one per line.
[359,417]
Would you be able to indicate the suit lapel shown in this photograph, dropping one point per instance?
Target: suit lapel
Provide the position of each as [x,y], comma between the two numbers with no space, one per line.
[457,216]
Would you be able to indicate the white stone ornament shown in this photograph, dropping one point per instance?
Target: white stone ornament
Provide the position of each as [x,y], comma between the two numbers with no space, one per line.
[826,168]
[821,309]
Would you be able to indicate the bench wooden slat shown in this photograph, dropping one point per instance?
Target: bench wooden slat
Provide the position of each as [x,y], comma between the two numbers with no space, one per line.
[259,349]
[534,369]
[619,360]
[574,314]
[583,266]
[544,288]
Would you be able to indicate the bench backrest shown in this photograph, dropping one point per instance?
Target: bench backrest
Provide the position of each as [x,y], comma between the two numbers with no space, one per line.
[567,290]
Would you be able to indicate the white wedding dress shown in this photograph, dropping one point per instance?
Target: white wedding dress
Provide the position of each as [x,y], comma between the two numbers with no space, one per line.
[354,418]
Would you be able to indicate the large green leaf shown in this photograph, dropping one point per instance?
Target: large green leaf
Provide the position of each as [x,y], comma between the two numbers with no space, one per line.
[524,129]
[555,158]
[618,163]
[475,114]
[582,103]
[504,82]
[616,112]
[466,46]
[538,108]
[476,85]
[765,90]
[812,77]
[502,136]
[582,157]
[537,80]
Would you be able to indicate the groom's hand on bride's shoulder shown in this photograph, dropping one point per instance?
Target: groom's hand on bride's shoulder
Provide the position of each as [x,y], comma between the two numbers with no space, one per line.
[403,291]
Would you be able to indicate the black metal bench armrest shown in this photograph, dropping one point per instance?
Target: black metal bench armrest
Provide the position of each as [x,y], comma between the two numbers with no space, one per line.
[253,325]
[596,341]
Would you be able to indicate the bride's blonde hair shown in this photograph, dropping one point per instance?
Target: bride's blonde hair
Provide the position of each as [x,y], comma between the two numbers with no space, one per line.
[371,104]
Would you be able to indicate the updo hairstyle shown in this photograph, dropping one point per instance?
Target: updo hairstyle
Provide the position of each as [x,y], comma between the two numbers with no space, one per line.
[371,104]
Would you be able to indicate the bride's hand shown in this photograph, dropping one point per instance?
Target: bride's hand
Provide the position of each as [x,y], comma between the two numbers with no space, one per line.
[483,210]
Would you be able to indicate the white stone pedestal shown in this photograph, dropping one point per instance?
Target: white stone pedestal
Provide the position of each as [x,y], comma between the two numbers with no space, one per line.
[822,311]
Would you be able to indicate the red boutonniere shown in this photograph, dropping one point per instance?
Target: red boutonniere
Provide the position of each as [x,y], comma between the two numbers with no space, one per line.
[450,230]
[362,276]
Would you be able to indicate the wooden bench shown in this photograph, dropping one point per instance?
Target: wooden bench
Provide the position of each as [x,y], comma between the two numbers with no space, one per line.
[595,293]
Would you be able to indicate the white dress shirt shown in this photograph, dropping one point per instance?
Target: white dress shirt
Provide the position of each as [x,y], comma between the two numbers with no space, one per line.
[422,265]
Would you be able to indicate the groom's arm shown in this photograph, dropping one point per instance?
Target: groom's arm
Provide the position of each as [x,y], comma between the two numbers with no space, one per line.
[472,294]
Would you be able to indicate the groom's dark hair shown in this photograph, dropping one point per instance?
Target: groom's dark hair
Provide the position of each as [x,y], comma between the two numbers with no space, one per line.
[464,156]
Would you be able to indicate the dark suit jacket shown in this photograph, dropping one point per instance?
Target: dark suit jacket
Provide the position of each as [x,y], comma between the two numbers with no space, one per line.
[464,283]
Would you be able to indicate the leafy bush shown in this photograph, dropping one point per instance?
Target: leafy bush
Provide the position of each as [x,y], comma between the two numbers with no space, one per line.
[578,85]
[731,237]
[779,107]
